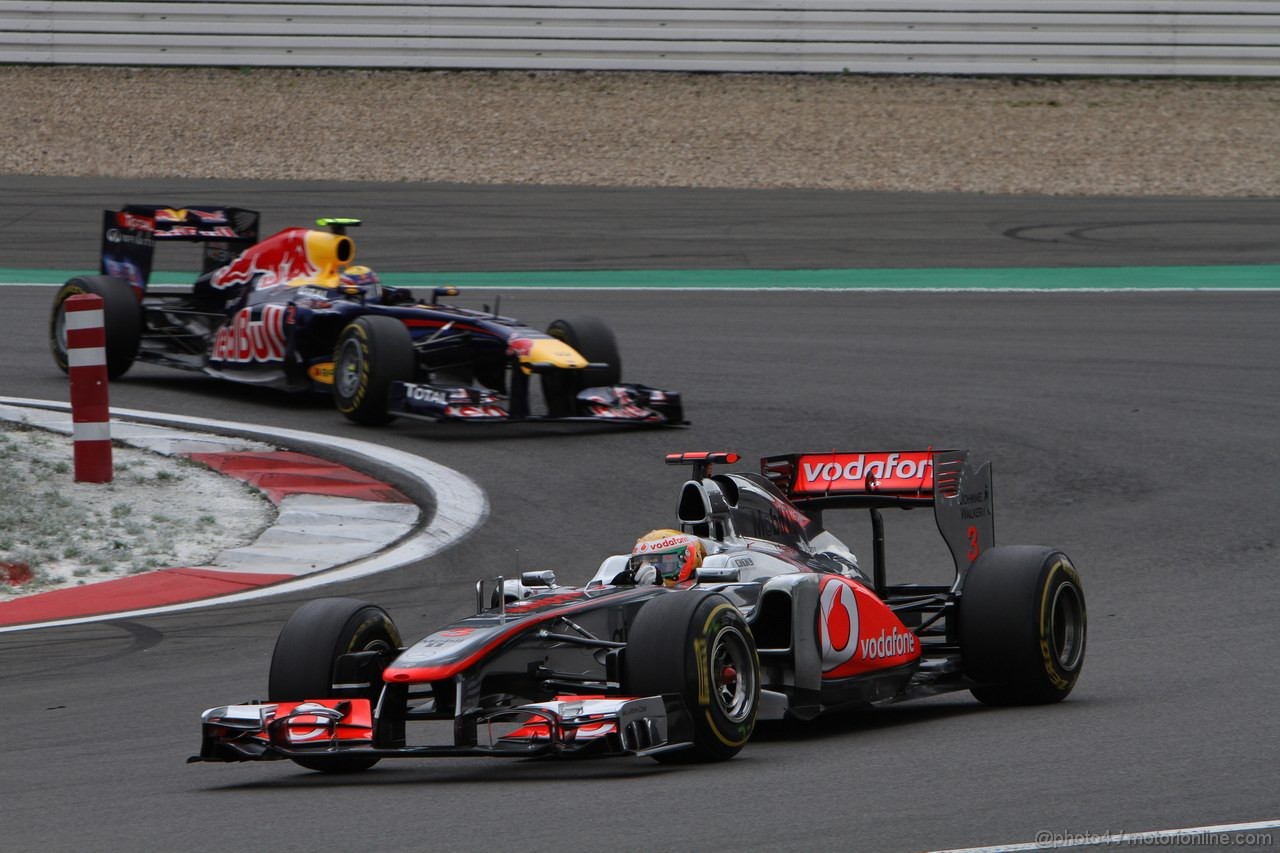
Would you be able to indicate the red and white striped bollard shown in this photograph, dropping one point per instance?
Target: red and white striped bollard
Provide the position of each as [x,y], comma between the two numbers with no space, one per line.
[87,367]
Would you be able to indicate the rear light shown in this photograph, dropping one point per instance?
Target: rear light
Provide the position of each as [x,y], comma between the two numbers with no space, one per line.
[724,456]
[702,460]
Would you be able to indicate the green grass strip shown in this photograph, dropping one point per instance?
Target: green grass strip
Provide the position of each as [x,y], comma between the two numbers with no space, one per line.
[1251,277]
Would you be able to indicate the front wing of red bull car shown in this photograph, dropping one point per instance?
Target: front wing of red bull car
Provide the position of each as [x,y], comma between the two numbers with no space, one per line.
[477,366]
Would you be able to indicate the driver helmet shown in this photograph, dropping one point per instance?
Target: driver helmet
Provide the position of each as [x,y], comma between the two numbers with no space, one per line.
[673,555]
[358,275]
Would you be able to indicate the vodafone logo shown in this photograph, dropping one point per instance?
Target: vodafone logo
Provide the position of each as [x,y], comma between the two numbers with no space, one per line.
[827,472]
[661,544]
[837,623]
[889,644]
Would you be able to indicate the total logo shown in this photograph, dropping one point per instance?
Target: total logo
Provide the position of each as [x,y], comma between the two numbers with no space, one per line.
[245,339]
[426,394]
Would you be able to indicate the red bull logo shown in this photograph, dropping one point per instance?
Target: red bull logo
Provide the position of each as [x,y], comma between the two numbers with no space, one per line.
[272,262]
[182,214]
[245,339]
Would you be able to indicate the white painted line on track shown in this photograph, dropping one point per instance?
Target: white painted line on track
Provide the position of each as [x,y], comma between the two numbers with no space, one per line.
[605,288]
[461,506]
[1206,835]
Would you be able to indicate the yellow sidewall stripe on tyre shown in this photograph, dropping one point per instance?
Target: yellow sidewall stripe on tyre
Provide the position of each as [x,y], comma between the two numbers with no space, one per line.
[704,673]
[1046,650]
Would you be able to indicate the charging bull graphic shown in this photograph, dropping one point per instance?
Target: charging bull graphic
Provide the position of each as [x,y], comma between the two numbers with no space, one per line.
[295,255]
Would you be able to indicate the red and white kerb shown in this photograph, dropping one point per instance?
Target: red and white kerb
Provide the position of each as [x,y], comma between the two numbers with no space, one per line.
[87,368]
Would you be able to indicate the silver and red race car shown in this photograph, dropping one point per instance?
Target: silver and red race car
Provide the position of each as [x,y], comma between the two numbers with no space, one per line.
[779,621]
[294,312]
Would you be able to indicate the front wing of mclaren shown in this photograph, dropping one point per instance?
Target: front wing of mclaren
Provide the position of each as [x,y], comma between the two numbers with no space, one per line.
[345,728]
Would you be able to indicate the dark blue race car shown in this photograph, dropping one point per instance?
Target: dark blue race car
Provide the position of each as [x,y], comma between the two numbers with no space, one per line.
[294,312]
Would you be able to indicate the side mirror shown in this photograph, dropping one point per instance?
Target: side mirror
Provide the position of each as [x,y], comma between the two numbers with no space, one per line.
[718,575]
[437,292]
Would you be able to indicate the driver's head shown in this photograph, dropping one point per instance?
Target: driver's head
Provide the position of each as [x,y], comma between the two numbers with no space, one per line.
[359,276]
[673,555]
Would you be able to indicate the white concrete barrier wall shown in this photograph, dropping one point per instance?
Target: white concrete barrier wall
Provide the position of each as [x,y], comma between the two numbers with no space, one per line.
[1047,37]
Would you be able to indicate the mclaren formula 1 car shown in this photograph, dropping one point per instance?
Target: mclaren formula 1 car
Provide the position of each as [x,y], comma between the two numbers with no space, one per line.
[294,312]
[779,622]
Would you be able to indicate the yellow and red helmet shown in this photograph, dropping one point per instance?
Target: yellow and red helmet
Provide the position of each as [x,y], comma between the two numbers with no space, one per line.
[675,556]
[357,275]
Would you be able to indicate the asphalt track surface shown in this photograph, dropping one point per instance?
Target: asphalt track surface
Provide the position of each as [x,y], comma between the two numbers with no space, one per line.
[1135,430]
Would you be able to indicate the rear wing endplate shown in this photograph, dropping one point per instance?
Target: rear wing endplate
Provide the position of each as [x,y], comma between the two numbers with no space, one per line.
[129,236]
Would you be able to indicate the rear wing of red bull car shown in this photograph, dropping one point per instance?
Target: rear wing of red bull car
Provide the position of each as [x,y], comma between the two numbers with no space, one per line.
[130,235]
[961,495]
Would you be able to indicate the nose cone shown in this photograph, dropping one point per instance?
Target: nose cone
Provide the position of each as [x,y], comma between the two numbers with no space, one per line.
[555,352]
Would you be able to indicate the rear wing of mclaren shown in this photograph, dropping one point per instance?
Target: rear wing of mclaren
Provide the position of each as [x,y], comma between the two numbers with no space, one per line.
[960,494]
[130,234]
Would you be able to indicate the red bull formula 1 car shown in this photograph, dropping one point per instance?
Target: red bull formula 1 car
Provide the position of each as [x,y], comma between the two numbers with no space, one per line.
[778,622]
[295,313]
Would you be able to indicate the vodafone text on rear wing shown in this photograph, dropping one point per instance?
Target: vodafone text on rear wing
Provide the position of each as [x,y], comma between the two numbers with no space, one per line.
[960,495]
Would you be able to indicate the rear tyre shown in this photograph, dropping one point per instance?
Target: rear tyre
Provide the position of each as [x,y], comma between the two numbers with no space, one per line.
[309,645]
[121,319]
[371,353]
[697,645]
[1022,626]
[595,342]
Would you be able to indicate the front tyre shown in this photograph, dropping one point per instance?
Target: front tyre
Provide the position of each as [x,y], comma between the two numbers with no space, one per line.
[696,644]
[309,645]
[1022,626]
[121,320]
[595,342]
[371,353]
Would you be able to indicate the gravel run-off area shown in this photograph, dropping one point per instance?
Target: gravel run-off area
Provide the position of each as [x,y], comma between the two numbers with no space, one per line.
[1091,136]
[158,512]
